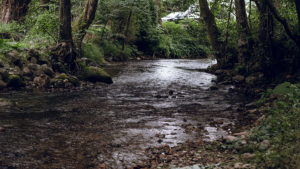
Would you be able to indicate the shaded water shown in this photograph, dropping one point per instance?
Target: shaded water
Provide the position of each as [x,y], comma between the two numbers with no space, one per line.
[151,103]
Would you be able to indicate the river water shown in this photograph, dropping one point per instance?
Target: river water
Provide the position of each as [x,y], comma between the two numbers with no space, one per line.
[151,103]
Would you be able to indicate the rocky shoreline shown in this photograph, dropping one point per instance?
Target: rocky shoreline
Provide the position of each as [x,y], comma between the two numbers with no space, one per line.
[35,71]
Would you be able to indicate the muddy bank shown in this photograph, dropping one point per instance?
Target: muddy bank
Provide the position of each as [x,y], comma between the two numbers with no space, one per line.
[151,103]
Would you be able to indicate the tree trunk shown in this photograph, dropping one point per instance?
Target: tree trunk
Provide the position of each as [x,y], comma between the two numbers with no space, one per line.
[85,20]
[13,10]
[64,54]
[127,29]
[265,31]
[212,29]
[284,22]
[44,4]
[158,4]
[243,30]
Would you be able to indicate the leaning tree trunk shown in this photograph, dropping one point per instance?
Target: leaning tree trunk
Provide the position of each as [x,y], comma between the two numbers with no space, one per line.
[244,32]
[13,10]
[64,54]
[212,30]
[85,20]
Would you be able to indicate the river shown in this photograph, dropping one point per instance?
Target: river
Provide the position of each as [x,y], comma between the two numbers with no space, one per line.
[151,103]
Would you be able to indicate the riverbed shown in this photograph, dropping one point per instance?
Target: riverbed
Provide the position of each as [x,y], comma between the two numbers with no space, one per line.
[151,103]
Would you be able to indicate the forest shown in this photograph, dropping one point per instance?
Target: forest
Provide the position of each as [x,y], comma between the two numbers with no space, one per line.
[178,84]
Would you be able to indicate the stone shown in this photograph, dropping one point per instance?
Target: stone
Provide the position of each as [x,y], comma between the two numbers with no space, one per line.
[251,80]
[264,145]
[42,81]
[47,70]
[2,84]
[248,156]
[238,78]
[26,71]
[4,73]
[95,74]
[33,67]
[15,81]
[244,133]
[230,138]
[238,165]
[253,111]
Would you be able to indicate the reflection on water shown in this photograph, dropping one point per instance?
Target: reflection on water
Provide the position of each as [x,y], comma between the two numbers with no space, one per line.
[151,103]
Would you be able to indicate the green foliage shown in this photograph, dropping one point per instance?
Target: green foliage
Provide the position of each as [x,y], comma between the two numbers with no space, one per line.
[93,52]
[178,41]
[46,27]
[282,128]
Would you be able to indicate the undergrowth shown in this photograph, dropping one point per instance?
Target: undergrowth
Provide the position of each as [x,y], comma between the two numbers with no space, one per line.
[281,127]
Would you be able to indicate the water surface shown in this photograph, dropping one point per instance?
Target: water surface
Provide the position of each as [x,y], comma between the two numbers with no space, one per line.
[151,103]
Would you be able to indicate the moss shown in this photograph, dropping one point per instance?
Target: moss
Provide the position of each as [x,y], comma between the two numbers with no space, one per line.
[95,74]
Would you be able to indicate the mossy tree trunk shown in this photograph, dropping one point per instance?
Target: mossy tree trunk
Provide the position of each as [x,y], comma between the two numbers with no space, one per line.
[13,10]
[85,20]
[244,41]
[213,31]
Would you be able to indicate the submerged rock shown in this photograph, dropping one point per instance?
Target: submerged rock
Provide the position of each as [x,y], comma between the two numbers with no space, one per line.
[95,74]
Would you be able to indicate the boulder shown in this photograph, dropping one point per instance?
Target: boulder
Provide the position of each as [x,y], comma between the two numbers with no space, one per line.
[64,80]
[15,81]
[95,74]
[15,58]
[47,70]
[238,78]
[41,81]
[26,71]
[4,73]
[251,80]
[2,84]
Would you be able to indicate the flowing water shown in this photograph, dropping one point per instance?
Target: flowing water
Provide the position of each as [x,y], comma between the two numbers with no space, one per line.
[151,103]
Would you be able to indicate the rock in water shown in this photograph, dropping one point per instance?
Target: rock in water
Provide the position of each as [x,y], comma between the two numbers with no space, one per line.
[95,74]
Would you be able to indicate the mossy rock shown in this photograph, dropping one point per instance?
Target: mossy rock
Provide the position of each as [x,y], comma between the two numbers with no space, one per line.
[95,74]
[15,81]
